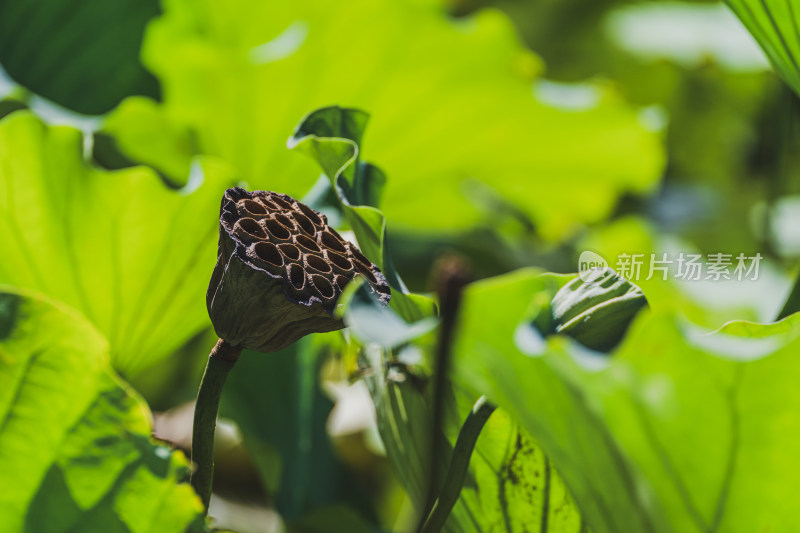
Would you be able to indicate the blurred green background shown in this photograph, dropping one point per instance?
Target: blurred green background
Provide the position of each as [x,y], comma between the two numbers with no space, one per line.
[516,133]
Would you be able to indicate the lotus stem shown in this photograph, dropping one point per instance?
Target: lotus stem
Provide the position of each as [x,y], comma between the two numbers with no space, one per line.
[220,362]
[452,276]
[459,464]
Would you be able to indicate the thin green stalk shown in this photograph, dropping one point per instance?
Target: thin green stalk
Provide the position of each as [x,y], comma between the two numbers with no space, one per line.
[459,464]
[220,362]
[452,277]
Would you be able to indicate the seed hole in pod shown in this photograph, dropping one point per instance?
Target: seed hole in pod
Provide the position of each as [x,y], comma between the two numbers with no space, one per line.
[281,202]
[359,257]
[304,223]
[275,229]
[307,243]
[268,252]
[317,263]
[249,228]
[329,240]
[253,207]
[296,275]
[323,286]
[290,250]
[339,261]
[311,214]
[340,282]
[268,204]
[284,220]
[366,272]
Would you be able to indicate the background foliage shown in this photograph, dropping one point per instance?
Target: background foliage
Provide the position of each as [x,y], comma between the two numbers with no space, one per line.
[516,133]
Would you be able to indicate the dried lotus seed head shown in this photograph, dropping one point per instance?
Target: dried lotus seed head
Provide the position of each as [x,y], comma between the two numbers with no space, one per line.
[280,271]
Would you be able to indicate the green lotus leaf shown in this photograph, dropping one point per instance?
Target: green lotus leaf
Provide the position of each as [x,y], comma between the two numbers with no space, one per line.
[510,487]
[680,430]
[331,136]
[83,57]
[515,487]
[150,135]
[596,308]
[133,255]
[455,120]
[775,24]
[75,448]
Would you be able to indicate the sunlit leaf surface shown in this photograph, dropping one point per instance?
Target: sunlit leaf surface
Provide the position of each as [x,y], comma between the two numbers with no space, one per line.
[331,136]
[456,126]
[131,254]
[680,430]
[511,486]
[516,488]
[75,448]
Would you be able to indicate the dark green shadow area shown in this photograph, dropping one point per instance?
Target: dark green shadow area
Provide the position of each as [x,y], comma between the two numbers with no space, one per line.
[9,313]
[81,55]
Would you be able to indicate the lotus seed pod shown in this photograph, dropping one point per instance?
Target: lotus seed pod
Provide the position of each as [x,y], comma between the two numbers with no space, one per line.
[280,271]
[597,309]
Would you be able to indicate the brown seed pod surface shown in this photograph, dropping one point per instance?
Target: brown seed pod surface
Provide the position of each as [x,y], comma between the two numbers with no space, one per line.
[272,247]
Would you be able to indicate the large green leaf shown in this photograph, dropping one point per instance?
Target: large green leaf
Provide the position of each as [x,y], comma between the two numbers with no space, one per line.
[516,488]
[455,119]
[509,466]
[511,485]
[75,452]
[678,431]
[332,137]
[84,56]
[775,24]
[131,254]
